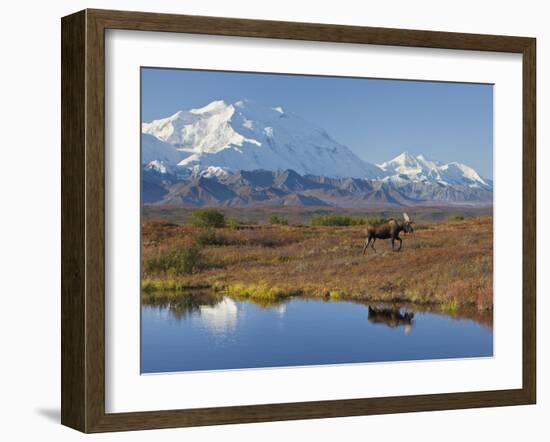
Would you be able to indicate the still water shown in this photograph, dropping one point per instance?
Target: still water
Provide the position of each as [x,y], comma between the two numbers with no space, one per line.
[229,334]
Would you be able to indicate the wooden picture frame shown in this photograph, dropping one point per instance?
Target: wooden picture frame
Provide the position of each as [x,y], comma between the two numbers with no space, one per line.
[83,220]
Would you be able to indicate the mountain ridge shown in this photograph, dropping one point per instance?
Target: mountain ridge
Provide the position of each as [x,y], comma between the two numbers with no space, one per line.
[281,188]
[244,153]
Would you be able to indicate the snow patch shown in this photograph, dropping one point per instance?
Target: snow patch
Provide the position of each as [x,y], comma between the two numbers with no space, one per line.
[204,130]
[157,166]
[214,171]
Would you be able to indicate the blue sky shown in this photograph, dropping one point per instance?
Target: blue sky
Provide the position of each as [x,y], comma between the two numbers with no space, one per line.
[377,119]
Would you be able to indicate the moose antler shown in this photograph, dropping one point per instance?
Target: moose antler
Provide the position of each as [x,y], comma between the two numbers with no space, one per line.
[406,217]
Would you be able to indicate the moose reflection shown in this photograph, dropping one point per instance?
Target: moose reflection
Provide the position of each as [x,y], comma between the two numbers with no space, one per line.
[392,317]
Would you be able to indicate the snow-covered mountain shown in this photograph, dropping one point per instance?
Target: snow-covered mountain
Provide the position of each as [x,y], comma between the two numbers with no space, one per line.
[247,136]
[243,153]
[159,155]
[406,168]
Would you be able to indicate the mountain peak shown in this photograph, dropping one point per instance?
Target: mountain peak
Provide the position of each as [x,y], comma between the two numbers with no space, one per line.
[404,157]
[403,163]
[247,135]
[420,169]
[216,106]
[213,107]
[178,114]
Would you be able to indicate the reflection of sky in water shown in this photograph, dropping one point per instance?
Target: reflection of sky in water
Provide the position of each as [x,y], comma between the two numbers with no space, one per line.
[239,334]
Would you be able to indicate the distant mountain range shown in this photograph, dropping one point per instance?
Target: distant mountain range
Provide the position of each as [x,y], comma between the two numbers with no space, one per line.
[244,154]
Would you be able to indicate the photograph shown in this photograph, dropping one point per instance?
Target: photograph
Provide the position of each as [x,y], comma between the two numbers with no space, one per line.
[292,220]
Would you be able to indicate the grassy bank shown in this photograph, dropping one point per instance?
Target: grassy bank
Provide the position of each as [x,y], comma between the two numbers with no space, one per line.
[448,264]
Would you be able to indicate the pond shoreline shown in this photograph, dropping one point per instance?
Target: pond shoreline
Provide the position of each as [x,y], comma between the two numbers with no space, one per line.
[208,295]
[263,291]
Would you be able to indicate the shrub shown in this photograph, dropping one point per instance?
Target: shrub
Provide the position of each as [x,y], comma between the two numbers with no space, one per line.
[178,261]
[374,220]
[341,220]
[234,223]
[330,220]
[278,220]
[356,221]
[207,218]
[457,218]
[209,237]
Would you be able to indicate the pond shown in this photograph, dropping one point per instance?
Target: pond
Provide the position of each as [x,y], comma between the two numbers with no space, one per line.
[214,333]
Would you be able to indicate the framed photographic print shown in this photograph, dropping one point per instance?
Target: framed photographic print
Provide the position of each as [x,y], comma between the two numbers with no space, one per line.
[270,220]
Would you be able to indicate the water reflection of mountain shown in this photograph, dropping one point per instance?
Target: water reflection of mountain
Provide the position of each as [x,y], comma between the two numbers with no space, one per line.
[280,309]
[221,316]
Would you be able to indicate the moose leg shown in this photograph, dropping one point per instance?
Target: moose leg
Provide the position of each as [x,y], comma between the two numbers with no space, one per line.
[400,243]
[367,242]
[392,242]
[372,245]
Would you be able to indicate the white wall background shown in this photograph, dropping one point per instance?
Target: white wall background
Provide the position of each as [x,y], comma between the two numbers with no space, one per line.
[30,215]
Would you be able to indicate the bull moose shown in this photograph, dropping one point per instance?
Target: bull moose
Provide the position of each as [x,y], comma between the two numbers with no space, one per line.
[389,230]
